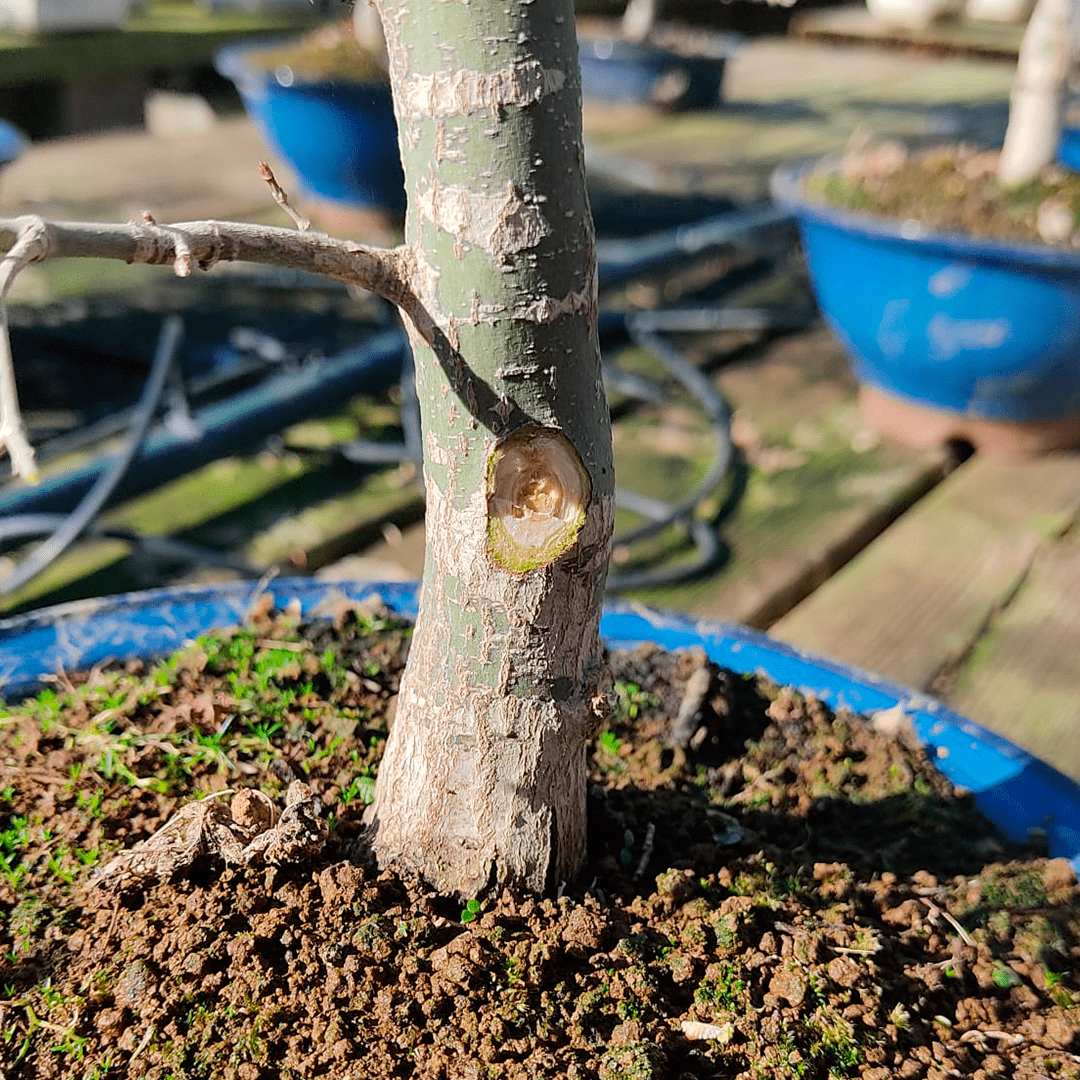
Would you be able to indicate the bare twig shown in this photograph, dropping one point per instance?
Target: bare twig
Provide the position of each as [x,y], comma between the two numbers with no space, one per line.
[185,245]
[22,253]
[281,198]
[205,243]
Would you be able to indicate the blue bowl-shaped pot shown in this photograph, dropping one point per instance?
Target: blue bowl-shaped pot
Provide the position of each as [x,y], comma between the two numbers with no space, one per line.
[12,142]
[1015,790]
[339,137]
[642,74]
[1068,152]
[982,328]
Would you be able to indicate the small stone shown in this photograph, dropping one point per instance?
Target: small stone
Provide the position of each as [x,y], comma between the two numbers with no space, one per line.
[1054,221]
[1059,1032]
[131,990]
[789,986]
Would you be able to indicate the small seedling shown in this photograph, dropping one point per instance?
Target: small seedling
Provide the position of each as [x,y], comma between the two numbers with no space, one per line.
[1005,977]
[362,789]
[470,911]
[609,742]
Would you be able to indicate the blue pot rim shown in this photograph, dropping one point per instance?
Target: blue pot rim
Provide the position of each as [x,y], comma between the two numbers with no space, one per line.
[232,62]
[786,185]
[1016,790]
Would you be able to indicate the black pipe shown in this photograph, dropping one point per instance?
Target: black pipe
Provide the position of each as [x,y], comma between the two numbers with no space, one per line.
[226,427]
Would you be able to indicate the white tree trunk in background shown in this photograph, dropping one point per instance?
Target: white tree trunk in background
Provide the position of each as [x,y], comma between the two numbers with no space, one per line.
[639,18]
[1038,92]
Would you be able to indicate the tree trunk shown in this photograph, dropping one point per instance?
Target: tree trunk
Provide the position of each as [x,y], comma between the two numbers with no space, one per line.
[483,781]
[1038,91]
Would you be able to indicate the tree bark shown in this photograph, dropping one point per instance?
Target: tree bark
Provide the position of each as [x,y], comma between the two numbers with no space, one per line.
[483,781]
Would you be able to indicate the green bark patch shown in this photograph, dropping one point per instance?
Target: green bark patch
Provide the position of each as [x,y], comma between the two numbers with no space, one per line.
[537,492]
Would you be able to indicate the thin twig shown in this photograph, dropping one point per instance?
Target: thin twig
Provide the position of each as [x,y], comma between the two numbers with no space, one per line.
[281,198]
[186,245]
[646,850]
[13,438]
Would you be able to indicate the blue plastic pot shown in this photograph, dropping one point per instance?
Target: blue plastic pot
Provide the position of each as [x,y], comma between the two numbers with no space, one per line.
[1068,152]
[1013,789]
[980,328]
[12,142]
[642,74]
[339,137]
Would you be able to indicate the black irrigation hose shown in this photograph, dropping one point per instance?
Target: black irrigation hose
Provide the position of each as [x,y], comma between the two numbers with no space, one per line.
[661,515]
[25,526]
[73,525]
[367,452]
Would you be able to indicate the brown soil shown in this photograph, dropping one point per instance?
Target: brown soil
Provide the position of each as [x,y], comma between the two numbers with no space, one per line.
[329,52]
[954,189]
[773,891]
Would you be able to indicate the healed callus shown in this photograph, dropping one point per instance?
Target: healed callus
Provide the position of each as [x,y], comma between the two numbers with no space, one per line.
[483,780]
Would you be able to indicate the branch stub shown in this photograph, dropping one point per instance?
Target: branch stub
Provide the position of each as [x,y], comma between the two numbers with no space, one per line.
[537,495]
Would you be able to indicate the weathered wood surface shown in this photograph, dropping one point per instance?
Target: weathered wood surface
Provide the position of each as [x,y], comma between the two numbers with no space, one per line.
[815,482]
[855,25]
[1023,676]
[974,593]
[786,99]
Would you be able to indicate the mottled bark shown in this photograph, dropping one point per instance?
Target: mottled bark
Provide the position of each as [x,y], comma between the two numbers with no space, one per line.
[483,780]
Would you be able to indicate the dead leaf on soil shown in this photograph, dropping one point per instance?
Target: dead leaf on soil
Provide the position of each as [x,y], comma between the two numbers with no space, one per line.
[248,830]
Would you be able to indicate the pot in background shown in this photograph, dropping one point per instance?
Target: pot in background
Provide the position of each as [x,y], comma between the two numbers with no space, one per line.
[650,73]
[339,137]
[12,143]
[46,16]
[951,337]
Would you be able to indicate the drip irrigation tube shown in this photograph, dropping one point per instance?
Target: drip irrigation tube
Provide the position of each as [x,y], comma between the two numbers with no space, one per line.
[73,525]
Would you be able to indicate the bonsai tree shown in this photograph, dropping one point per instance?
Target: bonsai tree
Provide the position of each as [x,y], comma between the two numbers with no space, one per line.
[483,780]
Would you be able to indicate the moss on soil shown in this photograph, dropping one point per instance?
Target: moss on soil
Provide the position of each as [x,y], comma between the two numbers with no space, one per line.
[773,890]
[951,189]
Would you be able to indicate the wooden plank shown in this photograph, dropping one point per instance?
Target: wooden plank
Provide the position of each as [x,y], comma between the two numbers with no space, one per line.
[786,99]
[951,37]
[1022,678]
[296,511]
[914,603]
[115,176]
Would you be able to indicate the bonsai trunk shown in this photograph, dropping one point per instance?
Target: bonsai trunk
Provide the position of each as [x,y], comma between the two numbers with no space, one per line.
[1035,105]
[483,779]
